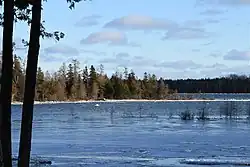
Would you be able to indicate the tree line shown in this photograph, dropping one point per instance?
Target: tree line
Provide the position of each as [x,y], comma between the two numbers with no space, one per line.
[229,84]
[70,82]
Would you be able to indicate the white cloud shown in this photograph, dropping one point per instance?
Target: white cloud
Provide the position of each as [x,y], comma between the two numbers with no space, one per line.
[61,49]
[191,29]
[207,43]
[237,55]
[212,12]
[122,55]
[198,23]
[93,52]
[187,33]
[214,55]
[88,21]
[224,71]
[140,22]
[217,66]
[105,36]
[65,53]
[179,65]
[231,3]
[125,60]
[110,37]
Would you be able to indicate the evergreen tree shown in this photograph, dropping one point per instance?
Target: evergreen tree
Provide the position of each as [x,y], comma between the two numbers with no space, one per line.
[80,88]
[126,94]
[117,85]
[85,78]
[70,81]
[39,85]
[153,86]
[126,73]
[101,80]
[132,84]
[145,86]
[61,83]
[50,87]
[18,80]
[76,86]
[109,90]
[93,86]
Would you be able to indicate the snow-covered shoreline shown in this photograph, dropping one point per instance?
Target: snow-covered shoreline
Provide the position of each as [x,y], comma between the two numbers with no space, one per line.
[131,100]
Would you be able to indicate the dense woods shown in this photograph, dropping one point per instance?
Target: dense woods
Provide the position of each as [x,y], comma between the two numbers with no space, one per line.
[229,84]
[70,82]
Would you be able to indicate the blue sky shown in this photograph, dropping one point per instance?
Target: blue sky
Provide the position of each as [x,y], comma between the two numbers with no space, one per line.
[171,38]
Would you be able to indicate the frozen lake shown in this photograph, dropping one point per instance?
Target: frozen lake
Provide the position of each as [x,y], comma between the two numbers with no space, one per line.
[136,134]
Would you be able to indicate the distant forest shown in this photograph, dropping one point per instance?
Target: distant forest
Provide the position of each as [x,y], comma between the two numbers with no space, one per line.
[228,84]
[70,82]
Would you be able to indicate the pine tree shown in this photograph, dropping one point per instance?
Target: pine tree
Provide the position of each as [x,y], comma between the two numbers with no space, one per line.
[76,68]
[132,84]
[126,94]
[93,87]
[145,87]
[118,86]
[101,80]
[109,90]
[80,88]
[61,83]
[153,86]
[40,85]
[85,78]
[18,80]
[70,81]
[126,73]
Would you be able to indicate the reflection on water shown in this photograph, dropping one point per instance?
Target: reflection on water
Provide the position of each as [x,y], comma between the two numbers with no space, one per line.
[135,134]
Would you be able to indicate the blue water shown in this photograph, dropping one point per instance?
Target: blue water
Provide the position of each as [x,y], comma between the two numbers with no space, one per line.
[218,96]
[135,134]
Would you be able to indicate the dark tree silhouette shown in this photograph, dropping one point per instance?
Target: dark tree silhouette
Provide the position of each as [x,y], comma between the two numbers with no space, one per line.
[36,31]
[6,83]
[30,83]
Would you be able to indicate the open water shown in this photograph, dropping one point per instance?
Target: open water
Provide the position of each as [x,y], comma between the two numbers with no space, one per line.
[136,134]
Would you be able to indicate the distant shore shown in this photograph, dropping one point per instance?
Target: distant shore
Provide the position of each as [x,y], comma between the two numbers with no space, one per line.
[131,100]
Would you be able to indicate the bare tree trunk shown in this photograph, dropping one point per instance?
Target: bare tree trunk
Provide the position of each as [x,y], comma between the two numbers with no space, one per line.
[30,82]
[6,83]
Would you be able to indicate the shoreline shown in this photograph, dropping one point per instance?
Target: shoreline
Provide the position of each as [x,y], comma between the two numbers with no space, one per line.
[130,100]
